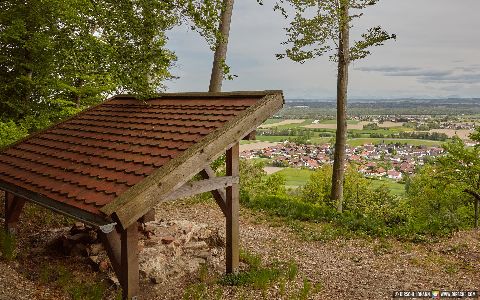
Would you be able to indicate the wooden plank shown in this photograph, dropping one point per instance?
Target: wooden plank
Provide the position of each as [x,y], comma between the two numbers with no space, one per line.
[135,202]
[111,242]
[232,251]
[129,279]
[202,186]
[233,94]
[251,136]
[148,217]
[218,194]
[13,209]
[56,206]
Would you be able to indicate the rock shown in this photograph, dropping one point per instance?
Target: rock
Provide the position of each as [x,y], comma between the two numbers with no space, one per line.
[214,240]
[79,250]
[177,249]
[113,279]
[94,260]
[196,245]
[140,246]
[203,254]
[167,240]
[103,266]
[82,237]
[78,227]
[95,249]
[151,243]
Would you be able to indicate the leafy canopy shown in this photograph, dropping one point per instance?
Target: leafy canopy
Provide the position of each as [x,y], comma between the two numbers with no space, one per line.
[315,29]
[72,53]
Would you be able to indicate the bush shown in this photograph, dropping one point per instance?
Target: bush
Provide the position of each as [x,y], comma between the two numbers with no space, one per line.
[439,207]
[11,132]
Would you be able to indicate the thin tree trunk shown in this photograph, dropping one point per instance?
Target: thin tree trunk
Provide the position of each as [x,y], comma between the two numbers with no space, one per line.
[342,87]
[221,50]
[476,213]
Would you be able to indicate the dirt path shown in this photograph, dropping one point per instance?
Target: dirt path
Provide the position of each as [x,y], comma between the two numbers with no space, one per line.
[351,269]
[346,269]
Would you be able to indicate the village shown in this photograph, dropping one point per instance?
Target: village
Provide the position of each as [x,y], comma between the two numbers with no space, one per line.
[392,161]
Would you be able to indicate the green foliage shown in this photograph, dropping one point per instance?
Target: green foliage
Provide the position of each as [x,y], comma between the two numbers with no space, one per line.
[438,206]
[371,126]
[7,245]
[254,181]
[258,275]
[56,54]
[314,29]
[10,132]
[64,279]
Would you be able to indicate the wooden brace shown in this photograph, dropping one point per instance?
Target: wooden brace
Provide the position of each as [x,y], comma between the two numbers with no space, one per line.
[13,208]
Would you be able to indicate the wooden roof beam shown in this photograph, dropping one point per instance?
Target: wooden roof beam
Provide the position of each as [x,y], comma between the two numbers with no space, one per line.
[135,202]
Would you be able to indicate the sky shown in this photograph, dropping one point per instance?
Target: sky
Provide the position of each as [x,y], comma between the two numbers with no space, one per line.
[436,54]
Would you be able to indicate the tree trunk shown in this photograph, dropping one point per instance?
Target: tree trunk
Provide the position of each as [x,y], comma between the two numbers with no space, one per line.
[342,87]
[476,203]
[476,212]
[221,50]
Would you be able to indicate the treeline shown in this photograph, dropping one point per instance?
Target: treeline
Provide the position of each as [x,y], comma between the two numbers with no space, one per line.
[439,199]
[434,136]
[275,131]
[59,57]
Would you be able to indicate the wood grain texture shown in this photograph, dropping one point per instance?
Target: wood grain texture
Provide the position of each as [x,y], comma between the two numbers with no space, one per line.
[13,209]
[136,201]
[232,251]
[218,194]
[129,277]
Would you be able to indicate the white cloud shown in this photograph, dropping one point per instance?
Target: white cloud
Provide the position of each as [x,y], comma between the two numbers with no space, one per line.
[437,46]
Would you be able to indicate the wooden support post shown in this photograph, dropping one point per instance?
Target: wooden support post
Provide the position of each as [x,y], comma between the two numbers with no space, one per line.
[218,195]
[129,278]
[122,249]
[232,211]
[13,208]
[111,242]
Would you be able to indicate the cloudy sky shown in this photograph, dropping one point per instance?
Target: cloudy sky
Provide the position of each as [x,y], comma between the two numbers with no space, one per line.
[437,54]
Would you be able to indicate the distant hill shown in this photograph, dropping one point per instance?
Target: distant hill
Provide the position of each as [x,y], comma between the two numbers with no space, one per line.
[447,106]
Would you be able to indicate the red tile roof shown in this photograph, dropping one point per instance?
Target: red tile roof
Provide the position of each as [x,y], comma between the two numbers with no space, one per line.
[89,160]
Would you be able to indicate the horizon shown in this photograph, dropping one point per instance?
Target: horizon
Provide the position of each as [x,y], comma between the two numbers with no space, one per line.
[435,54]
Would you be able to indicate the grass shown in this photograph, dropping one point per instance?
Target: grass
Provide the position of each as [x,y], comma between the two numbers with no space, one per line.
[395,187]
[272,278]
[296,125]
[362,141]
[276,138]
[7,245]
[272,121]
[66,280]
[352,122]
[295,177]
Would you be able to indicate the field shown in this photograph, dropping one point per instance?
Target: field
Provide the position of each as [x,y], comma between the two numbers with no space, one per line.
[299,177]
[462,133]
[331,124]
[324,131]
[395,187]
[276,122]
[362,141]
[295,177]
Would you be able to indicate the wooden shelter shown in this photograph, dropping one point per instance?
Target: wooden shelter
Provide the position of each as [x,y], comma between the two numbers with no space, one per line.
[111,164]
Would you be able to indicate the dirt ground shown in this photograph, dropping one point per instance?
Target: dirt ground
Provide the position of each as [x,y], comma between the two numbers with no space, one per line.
[464,134]
[358,126]
[362,268]
[256,146]
[284,122]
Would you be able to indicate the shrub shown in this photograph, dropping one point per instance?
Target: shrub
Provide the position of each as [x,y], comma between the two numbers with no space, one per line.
[11,132]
